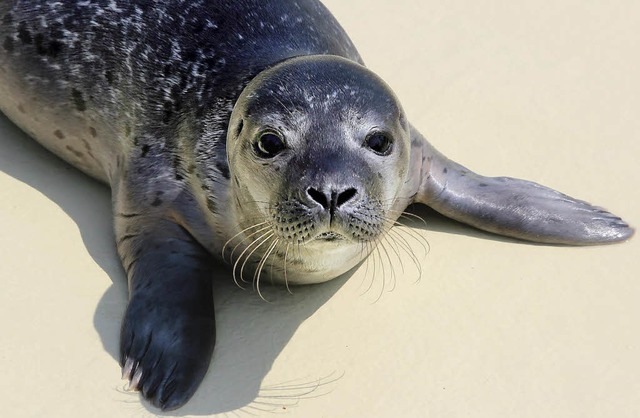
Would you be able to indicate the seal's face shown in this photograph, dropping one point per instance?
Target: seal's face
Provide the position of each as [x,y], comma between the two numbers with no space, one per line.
[318,152]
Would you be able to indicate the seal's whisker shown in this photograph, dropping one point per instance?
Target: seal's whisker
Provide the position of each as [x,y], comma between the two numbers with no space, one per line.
[366,259]
[289,394]
[395,250]
[261,230]
[407,248]
[258,272]
[286,281]
[393,272]
[413,234]
[373,275]
[409,215]
[396,236]
[260,241]
[235,265]
[382,285]
[422,241]
[224,247]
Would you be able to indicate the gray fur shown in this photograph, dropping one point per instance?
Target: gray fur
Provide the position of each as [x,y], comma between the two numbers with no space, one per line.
[513,207]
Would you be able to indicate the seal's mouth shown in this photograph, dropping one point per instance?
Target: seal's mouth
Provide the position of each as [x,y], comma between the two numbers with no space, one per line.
[330,237]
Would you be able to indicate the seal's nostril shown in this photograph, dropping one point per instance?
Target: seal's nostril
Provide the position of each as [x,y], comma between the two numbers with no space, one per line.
[345,196]
[318,197]
[332,201]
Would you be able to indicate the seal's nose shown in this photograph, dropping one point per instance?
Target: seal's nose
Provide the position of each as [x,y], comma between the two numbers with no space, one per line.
[331,199]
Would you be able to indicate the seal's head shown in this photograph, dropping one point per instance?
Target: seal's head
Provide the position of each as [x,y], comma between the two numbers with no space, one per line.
[318,150]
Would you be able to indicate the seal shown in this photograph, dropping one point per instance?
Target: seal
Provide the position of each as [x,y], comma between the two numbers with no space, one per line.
[245,130]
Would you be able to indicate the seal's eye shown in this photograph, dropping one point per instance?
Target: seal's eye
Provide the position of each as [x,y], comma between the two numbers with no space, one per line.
[379,143]
[269,145]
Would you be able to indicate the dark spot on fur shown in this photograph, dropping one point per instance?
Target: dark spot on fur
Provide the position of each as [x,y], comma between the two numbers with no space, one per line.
[21,109]
[145,150]
[108,74]
[39,43]
[8,44]
[168,112]
[128,215]
[87,146]
[56,31]
[58,133]
[24,34]
[156,202]
[176,92]
[189,55]
[191,169]
[93,131]
[223,169]
[482,185]
[7,19]
[55,48]
[70,23]
[177,166]
[177,105]
[211,204]
[239,127]
[445,170]
[78,46]
[198,27]
[75,152]
[78,100]
[127,131]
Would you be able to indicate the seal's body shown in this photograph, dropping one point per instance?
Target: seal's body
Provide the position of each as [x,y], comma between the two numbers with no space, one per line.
[244,128]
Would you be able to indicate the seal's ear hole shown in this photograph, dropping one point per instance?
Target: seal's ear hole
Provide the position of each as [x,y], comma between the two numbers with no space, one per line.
[379,142]
[239,127]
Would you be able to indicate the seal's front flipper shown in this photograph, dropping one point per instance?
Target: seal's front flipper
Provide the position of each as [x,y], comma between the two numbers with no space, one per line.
[512,207]
[168,331]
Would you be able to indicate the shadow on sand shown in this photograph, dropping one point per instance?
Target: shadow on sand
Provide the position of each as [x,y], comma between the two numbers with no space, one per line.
[250,332]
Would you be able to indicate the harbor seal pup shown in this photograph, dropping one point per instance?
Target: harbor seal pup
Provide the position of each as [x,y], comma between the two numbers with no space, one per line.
[244,126]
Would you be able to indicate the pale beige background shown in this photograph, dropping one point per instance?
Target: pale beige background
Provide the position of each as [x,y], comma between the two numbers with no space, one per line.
[544,90]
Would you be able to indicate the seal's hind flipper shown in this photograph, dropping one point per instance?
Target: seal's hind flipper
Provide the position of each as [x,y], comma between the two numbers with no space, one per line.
[512,207]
